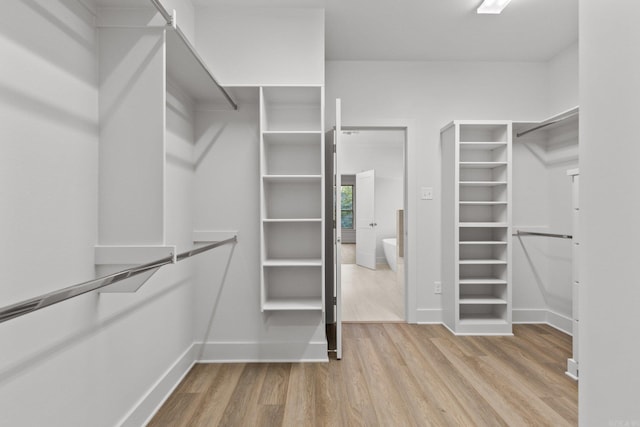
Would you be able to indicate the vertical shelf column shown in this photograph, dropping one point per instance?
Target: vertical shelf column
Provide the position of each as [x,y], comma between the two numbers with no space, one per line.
[292,198]
[477,170]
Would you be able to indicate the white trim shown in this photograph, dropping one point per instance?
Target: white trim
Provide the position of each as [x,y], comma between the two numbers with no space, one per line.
[268,352]
[560,322]
[158,393]
[572,369]
[555,320]
[428,316]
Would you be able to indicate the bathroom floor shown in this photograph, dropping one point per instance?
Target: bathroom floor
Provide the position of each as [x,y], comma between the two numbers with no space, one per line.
[348,253]
[372,295]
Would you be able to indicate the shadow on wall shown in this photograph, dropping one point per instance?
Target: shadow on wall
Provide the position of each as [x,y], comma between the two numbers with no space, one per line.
[52,27]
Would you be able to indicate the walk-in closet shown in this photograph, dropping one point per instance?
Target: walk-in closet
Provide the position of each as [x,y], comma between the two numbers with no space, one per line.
[199,199]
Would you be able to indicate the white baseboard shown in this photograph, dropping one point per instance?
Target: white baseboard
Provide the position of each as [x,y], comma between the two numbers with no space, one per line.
[560,322]
[425,316]
[149,404]
[572,369]
[551,318]
[246,352]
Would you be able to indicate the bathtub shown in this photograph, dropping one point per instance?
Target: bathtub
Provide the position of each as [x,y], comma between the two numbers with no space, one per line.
[389,246]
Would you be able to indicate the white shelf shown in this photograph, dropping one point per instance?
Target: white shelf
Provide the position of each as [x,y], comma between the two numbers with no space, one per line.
[482,183]
[482,145]
[481,319]
[482,262]
[484,224]
[486,242]
[489,281]
[184,70]
[293,304]
[481,165]
[284,220]
[292,198]
[292,178]
[476,209]
[481,203]
[479,299]
[306,262]
[291,132]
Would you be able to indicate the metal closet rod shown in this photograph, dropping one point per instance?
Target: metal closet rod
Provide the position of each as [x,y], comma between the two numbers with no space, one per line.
[545,124]
[42,301]
[534,233]
[169,18]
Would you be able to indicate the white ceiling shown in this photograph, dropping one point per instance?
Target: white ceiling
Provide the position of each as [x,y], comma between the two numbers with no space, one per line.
[436,30]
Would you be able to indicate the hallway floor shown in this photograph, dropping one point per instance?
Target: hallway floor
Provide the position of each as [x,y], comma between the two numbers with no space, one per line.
[391,374]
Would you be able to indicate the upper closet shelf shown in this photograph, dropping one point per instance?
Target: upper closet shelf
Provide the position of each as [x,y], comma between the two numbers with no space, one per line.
[568,117]
[187,69]
[481,145]
[481,165]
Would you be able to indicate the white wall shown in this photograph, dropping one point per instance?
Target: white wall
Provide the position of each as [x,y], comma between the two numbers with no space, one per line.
[92,359]
[609,205]
[563,80]
[229,320]
[431,94]
[542,266]
[255,46]
[382,151]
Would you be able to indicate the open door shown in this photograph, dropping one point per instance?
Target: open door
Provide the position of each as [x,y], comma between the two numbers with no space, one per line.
[333,238]
[365,220]
[338,226]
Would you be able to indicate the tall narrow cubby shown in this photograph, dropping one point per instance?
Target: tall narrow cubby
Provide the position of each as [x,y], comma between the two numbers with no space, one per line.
[476,227]
[292,198]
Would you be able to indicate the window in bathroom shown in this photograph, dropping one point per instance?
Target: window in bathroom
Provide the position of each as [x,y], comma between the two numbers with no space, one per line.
[346,205]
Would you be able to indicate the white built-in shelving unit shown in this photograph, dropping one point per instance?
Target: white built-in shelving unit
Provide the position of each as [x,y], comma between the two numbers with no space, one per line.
[292,198]
[476,227]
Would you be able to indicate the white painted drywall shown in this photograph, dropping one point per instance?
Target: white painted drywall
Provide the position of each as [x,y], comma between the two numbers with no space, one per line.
[542,202]
[90,360]
[609,206]
[229,320]
[432,94]
[382,151]
[256,46]
[563,80]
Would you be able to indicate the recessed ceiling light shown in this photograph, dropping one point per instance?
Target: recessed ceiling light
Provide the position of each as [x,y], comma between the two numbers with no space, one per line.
[493,6]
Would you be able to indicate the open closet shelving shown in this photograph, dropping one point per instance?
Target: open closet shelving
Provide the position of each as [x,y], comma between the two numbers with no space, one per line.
[146,70]
[292,198]
[476,227]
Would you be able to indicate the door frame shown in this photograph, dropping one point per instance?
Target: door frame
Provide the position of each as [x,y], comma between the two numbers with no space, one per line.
[409,205]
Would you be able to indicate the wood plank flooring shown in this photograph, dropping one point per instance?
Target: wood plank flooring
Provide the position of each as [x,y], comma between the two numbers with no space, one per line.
[391,374]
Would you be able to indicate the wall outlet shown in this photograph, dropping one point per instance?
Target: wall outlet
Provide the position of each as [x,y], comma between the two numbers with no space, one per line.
[437,289]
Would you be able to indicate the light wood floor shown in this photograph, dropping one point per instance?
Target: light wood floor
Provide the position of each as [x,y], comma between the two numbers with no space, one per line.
[371,295]
[391,375]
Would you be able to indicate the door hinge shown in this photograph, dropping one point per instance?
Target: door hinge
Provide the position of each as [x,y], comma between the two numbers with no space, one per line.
[335,300]
[334,148]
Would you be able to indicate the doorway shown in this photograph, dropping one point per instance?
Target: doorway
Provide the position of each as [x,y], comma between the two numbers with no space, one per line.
[371,198]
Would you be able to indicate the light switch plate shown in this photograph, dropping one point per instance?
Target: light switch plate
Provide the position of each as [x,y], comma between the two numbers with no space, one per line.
[426,193]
